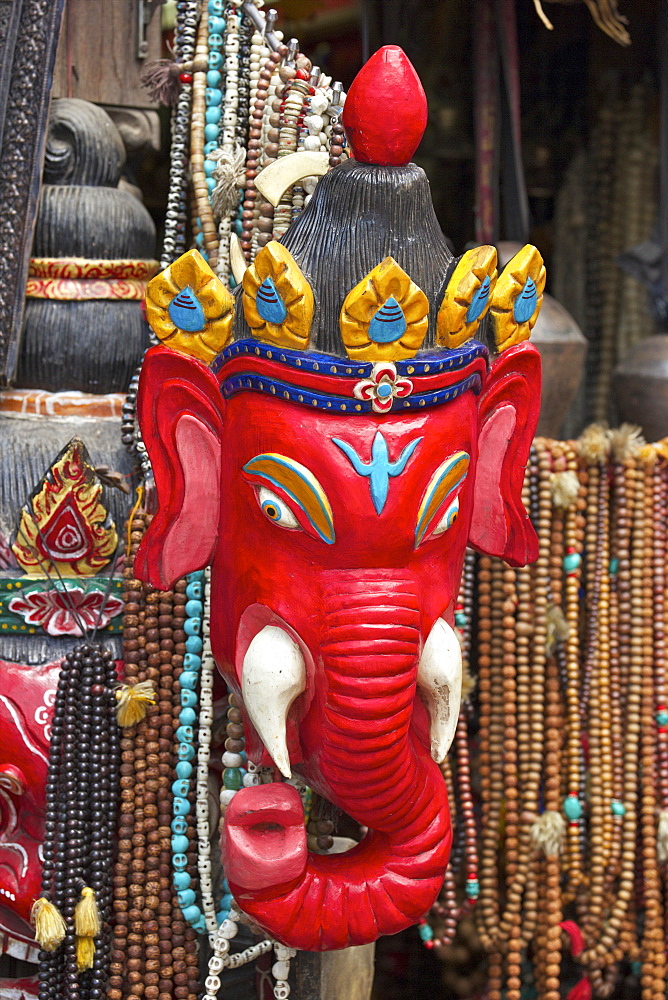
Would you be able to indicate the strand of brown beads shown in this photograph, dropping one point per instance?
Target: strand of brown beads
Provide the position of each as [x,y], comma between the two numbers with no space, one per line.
[252,215]
[659,553]
[487,912]
[598,718]
[263,225]
[156,913]
[523,637]
[337,141]
[599,952]
[653,975]
[291,110]
[131,837]
[546,829]
[197,140]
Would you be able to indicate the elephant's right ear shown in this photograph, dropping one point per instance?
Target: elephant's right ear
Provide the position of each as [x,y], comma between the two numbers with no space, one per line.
[180,413]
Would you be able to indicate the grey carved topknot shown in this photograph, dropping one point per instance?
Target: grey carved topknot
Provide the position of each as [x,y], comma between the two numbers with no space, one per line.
[83,145]
[367,212]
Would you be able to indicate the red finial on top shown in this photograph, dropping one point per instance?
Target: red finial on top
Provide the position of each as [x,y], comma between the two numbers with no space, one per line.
[385,113]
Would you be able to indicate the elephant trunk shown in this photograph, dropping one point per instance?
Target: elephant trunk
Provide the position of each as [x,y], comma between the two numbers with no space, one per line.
[376,770]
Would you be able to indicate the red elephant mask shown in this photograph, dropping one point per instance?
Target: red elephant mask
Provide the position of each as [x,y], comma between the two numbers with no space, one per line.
[332,463]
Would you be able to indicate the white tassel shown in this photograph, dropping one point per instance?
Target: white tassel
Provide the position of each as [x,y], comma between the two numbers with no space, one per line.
[229,176]
[662,837]
[547,833]
[565,487]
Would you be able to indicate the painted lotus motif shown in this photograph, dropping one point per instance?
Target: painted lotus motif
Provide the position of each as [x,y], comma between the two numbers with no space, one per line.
[63,614]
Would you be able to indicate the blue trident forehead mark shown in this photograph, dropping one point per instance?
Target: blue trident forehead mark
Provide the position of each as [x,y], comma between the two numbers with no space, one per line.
[379,469]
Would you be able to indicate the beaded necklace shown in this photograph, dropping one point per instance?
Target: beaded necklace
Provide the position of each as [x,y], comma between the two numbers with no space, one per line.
[174,242]
[81,796]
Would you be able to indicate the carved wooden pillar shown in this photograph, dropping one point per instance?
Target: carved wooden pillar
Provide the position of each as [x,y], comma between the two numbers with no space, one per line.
[28,37]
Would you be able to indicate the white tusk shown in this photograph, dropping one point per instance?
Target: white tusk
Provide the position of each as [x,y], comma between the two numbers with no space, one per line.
[440,683]
[274,180]
[237,260]
[273,675]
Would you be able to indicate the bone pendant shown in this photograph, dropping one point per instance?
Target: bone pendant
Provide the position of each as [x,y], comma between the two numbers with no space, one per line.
[273,676]
[440,683]
[274,180]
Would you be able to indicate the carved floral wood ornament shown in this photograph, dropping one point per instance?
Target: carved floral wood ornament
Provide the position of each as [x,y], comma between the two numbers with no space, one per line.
[331,464]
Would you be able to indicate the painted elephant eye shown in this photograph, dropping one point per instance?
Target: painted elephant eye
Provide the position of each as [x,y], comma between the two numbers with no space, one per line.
[448,519]
[442,494]
[276,509]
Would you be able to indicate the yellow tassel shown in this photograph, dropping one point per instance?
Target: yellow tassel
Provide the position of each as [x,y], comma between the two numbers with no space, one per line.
[132,701]
[85,953]
[86,916]
[50,928]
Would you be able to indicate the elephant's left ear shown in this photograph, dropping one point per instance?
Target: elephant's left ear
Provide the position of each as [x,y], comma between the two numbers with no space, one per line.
[508,414]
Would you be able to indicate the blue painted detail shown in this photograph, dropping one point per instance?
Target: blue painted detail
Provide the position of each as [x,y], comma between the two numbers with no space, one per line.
[193,644]
[179,825]
[185,311]
[379,469]
[478,302]
[269,303]
[525,303]
[388,324]
[342,404]
[426,363]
